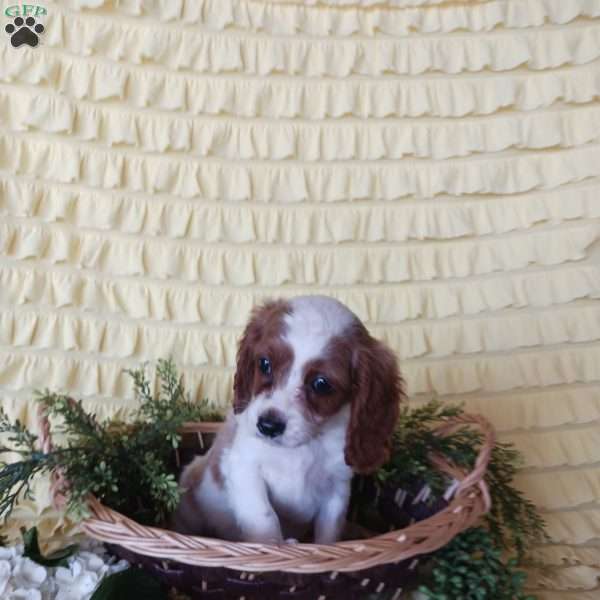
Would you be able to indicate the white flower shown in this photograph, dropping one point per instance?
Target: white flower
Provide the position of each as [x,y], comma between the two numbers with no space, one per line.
[28,574]
[75,583]
[91,561]
[7,553]
[23,579]
[119,566]
[25,594]
[5,571]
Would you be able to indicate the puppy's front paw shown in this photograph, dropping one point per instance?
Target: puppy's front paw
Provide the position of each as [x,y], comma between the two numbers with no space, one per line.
[291,541]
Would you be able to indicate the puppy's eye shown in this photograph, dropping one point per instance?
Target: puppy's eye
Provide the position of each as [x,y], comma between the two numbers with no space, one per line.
[264,364]
[321,386]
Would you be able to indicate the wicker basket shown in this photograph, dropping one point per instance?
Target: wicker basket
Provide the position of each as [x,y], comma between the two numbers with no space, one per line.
[384,564]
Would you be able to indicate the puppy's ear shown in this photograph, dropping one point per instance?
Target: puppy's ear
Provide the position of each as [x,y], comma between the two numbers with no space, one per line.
[245,367]
[378,389]
[265,320]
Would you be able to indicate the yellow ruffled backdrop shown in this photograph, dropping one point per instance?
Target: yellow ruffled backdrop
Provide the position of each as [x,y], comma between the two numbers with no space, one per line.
[167,164]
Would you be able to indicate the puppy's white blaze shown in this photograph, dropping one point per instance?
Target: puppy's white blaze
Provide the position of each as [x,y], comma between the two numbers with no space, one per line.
[315,317]
[313,322]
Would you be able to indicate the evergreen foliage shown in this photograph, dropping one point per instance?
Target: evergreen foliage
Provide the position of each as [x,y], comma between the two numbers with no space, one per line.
[127,465]
[471,567]
[513,520]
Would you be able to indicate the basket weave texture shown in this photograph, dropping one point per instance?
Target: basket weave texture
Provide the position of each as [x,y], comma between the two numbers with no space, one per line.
[167,553]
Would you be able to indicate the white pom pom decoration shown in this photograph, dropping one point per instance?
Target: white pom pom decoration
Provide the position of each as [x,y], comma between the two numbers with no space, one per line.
[23,579]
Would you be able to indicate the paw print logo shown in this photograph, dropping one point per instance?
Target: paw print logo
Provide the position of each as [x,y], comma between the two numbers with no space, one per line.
[24,31]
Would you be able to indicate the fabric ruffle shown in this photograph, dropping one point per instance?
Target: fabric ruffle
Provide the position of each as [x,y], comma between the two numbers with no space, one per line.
[502,372]
[577,526]
[277,265]
[117,339]
[537,410]
[558,448]
[561,555]
[274,98]
[200,346]
[366,17]
[95,376]
[90,376]
[578,578]
[212,53]
[561,489]
[310,142]
[217,180]
[562,595]
[296,224]
[502,333]
[21,284]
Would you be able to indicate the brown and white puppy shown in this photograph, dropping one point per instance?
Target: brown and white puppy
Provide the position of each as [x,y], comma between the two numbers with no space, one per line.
[316,398]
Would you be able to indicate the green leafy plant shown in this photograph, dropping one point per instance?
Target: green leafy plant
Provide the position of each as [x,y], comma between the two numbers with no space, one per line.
[16,477]
[513,520]
[128,465]
[471,567]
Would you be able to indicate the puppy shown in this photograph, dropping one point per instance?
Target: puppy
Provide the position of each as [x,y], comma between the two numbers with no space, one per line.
[316,398]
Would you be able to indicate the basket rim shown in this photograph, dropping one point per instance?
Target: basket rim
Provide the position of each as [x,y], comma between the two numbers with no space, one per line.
[471,500]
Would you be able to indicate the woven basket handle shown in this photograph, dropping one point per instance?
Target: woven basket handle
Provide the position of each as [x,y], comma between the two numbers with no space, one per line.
[476,476]
[58,484]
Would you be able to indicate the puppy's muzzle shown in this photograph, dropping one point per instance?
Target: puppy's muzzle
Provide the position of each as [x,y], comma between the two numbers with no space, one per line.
[270,425]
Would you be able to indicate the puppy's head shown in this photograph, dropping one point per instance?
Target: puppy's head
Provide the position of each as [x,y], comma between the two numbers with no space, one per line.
[308,365]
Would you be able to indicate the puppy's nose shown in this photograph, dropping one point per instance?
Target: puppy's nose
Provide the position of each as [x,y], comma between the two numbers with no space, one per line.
[270,426]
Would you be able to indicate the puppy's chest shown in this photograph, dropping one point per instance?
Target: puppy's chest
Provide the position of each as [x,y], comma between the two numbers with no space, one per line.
[299,482]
